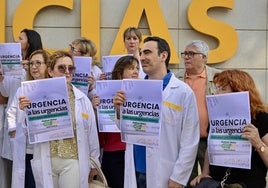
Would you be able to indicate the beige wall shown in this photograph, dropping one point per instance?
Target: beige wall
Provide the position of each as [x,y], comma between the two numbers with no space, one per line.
[58,27]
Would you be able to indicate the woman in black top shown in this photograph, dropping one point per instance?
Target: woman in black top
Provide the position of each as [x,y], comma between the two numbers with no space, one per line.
[256,132]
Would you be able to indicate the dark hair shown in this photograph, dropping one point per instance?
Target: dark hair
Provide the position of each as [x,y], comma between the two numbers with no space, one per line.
[45,54]
[34,41]
[162,46]
[132,29]
[121,64]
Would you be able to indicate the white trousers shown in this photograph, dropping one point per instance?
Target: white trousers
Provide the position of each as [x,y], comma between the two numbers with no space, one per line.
[65,173]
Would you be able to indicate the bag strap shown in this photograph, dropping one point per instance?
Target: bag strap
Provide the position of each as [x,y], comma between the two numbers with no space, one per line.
[227,174]
[100,173]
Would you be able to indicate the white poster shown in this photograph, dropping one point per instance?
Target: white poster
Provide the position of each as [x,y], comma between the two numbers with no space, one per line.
[48,115]
[140,115]
[82,72]
[106,90]
[228,115]
[10,58]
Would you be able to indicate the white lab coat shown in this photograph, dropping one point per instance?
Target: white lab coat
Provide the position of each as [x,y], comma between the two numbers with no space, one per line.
[16,121]
[8,88]
[96,71]
[3,165]
[87,140]
[179,139]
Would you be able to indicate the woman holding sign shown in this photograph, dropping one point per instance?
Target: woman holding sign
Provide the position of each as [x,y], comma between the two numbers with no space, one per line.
[22,175]
[65,163]
[30,41]
[113,160]
[86,47]
[256,133]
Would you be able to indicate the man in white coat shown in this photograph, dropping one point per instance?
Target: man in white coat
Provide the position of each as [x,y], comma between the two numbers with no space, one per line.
[171,164]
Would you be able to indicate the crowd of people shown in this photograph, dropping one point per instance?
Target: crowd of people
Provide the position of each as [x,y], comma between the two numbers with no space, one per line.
[184,124]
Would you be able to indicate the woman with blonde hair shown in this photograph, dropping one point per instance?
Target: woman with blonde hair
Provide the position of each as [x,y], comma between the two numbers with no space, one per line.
[86,47]
[65,163]
[132,39]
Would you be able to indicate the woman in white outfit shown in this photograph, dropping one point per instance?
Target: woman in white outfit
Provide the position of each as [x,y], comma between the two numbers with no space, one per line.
[22,151]
[30,41]
[65,163]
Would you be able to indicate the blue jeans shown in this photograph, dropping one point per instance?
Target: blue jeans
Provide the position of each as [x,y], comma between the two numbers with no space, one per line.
[141,180]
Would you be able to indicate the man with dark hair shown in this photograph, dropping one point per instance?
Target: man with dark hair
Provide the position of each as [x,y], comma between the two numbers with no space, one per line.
[170,164]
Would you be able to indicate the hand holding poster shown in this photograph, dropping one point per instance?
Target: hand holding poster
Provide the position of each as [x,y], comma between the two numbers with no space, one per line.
[48,116]
[106,90]
[228,115]
[140,115]
[10,58]
[82,72]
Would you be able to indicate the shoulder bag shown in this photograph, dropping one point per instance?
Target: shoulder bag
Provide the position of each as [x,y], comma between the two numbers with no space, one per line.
[211,183]
[101,181]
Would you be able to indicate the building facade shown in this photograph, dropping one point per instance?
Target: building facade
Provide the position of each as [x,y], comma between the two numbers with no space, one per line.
[236,30]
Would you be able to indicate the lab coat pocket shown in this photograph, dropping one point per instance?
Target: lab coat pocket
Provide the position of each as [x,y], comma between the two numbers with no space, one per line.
[85,121]
[173,113]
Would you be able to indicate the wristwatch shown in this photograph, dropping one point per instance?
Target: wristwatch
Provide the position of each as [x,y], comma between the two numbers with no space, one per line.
[262,147]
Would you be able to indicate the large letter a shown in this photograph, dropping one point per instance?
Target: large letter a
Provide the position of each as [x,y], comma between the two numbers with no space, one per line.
[157,24]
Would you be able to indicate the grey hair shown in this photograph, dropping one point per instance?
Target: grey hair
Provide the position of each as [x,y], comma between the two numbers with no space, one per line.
[200,45]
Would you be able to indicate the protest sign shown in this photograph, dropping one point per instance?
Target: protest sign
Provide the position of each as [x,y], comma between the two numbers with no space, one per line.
[82,72]
[228,115]
[140,115]
[106,89]
[48,116]
[10,58]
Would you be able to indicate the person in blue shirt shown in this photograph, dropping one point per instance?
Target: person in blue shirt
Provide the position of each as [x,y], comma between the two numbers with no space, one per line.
[170,164]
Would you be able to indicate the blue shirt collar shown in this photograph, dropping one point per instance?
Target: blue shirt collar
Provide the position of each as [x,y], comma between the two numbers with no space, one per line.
[166,79]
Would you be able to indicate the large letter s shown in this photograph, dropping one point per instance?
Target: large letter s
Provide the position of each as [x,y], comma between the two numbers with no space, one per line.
[224,33]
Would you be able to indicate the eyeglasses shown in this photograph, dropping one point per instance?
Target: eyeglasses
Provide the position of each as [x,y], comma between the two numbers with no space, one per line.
[225,89]
[218,89]
[73,50]
[189,54]
[36,63]
[25,63]
[63,68]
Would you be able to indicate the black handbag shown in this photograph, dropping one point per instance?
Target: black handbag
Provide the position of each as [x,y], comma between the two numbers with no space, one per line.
[211,183]
[208,183]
